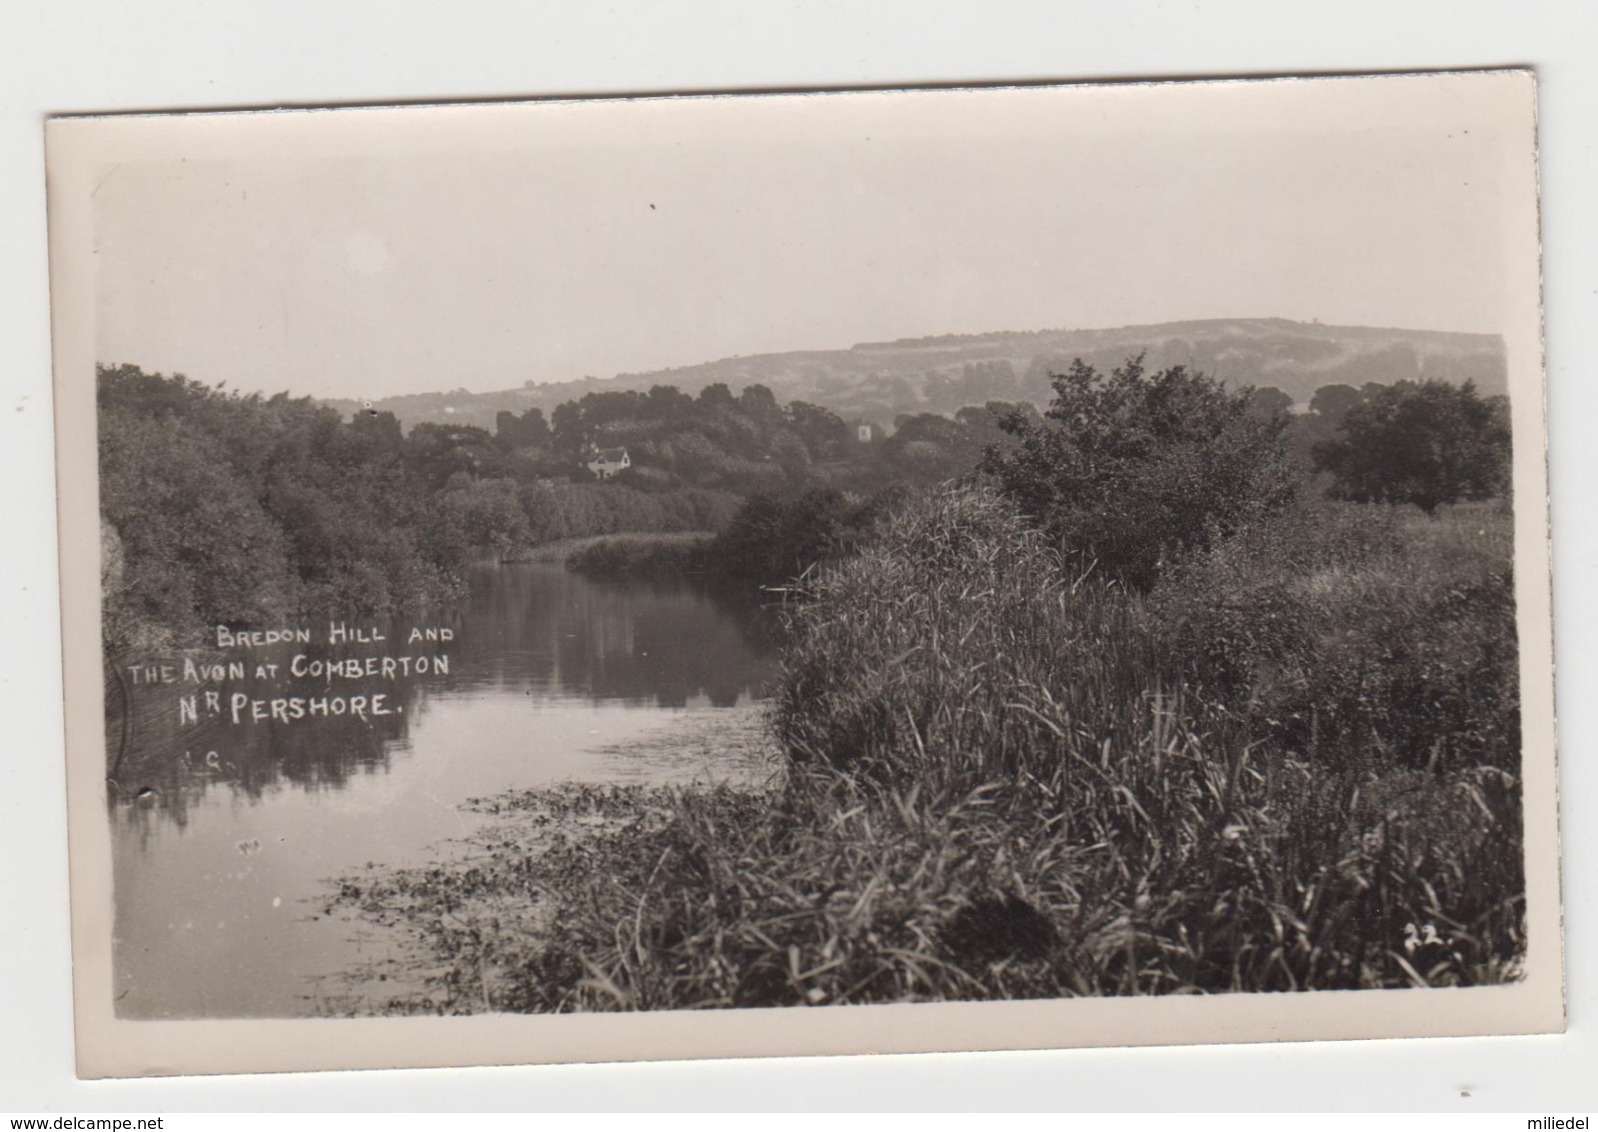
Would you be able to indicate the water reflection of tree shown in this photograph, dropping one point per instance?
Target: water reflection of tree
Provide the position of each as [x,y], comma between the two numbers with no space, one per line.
[155,762]
[526,629]
[543,629]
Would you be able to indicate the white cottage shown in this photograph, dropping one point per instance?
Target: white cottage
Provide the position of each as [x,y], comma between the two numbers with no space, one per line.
[606,462]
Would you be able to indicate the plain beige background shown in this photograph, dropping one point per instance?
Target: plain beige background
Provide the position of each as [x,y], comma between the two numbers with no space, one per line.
[94,73]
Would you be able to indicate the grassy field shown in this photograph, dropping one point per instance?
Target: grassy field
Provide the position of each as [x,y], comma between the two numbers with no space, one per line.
[1293,765]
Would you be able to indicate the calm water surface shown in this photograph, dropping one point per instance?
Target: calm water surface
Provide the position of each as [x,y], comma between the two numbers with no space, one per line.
[220,865]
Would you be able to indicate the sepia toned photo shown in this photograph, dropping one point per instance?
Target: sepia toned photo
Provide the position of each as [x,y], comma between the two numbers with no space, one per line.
[782,574]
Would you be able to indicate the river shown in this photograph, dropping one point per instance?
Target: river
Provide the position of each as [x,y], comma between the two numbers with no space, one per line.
[225,834]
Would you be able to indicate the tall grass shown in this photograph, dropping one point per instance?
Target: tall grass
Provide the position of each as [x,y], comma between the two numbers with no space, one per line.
[1002,781]
[949,649]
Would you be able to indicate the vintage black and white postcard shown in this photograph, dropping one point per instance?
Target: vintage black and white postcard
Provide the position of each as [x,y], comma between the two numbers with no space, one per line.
[739,575]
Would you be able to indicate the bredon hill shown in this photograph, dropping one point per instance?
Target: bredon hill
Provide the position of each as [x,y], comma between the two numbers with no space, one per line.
[876,382]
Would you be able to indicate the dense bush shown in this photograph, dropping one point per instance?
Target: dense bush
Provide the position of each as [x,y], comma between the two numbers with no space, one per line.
[193,538]
[1132,469]
[1342,631]
[247,509]
[776,539]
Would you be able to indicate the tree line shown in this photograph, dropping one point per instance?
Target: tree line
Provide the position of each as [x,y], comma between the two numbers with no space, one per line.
[218,507]
[223,507]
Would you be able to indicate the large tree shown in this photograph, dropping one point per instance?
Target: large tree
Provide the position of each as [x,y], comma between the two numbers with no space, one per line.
[1129,469]
[1426,443]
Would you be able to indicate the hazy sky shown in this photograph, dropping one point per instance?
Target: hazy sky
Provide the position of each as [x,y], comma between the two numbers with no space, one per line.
[385,252]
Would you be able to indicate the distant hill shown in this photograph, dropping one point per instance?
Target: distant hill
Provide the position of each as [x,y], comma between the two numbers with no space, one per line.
[877,381]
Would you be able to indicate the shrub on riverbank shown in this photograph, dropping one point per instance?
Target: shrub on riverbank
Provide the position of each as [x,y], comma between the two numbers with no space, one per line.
[1003,782]
[1129,471]
[641,556]
[773,540]
[776,539]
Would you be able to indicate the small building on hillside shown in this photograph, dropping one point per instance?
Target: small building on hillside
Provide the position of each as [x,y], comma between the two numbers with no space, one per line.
[866,433]
[606,462]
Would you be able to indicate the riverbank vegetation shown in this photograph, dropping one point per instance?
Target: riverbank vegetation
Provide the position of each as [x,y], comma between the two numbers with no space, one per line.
[772,542]
[1140,711]
[220,508]
[999,781]
[622,557]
